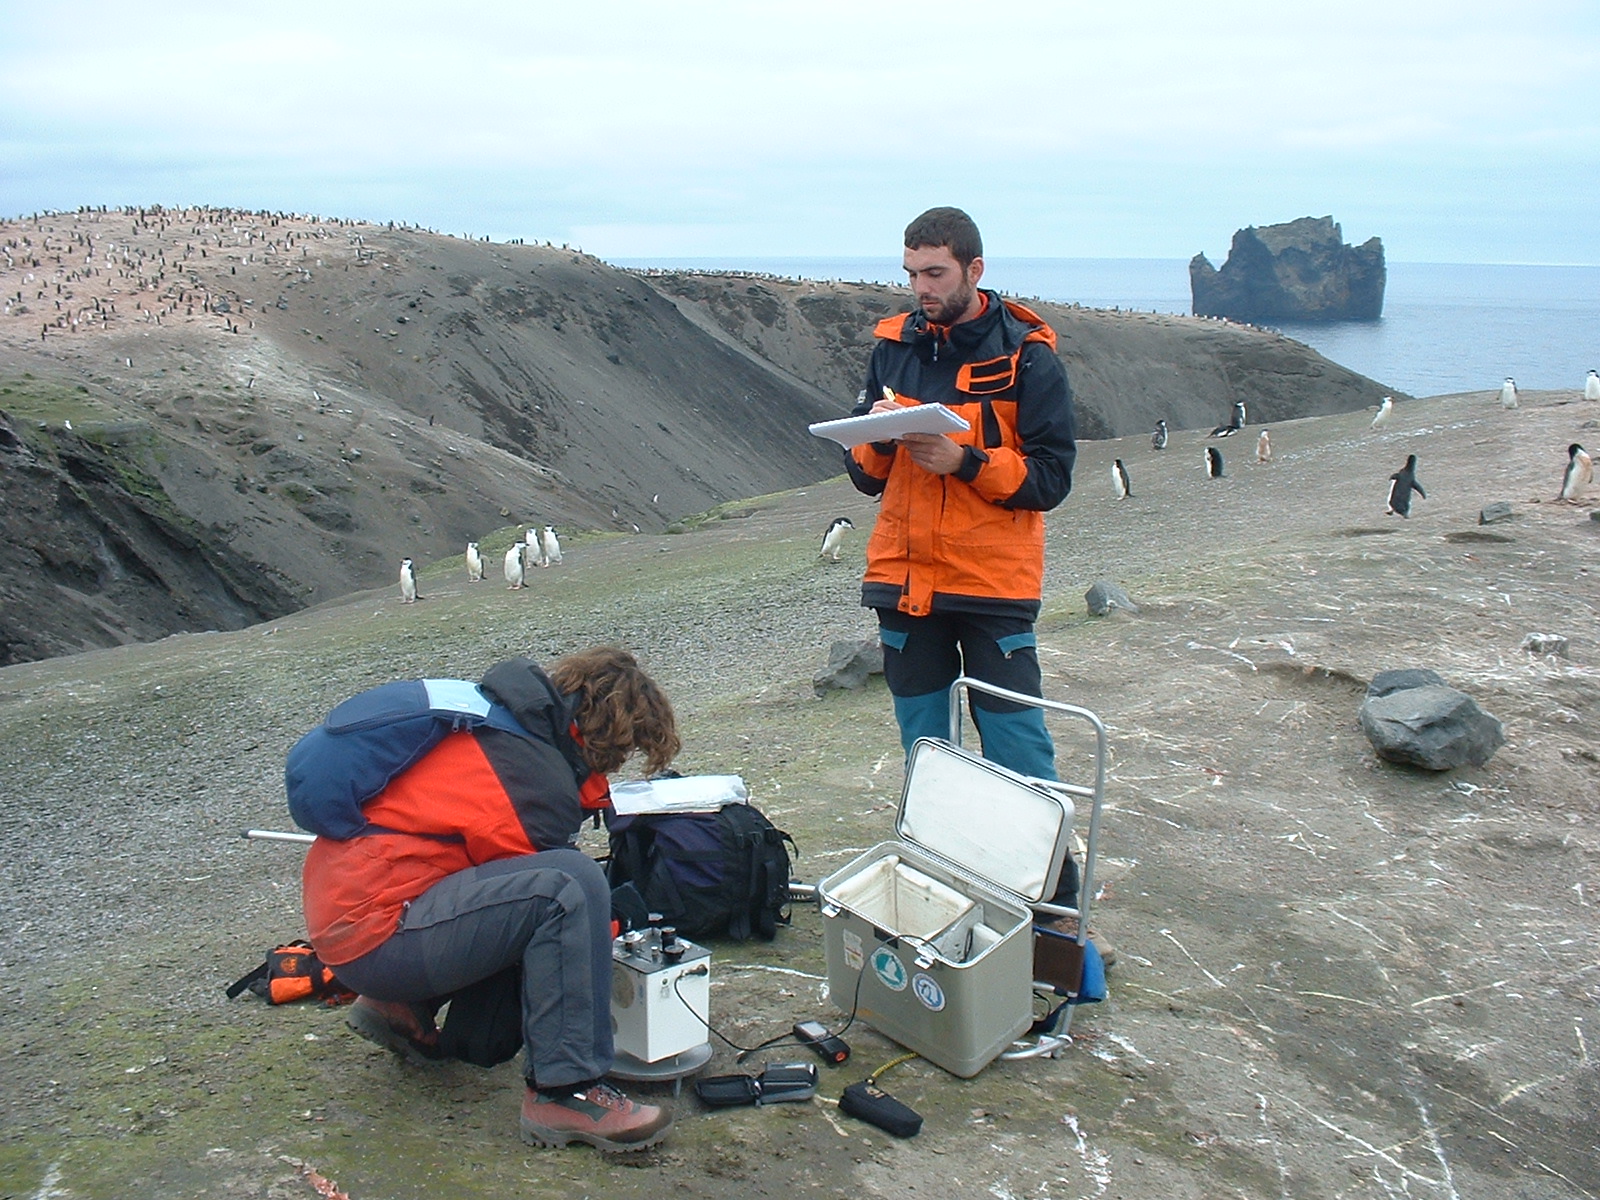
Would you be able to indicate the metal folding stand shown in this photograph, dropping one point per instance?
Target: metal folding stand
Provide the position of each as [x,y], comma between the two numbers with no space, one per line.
[1059,1036]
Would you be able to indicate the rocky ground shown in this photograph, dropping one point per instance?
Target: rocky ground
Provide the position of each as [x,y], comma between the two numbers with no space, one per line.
[1337,978]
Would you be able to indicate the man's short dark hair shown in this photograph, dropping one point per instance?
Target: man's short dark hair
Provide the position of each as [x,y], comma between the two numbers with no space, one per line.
[948,227]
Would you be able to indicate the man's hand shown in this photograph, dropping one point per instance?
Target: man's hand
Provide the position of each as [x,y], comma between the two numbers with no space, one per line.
[934,452]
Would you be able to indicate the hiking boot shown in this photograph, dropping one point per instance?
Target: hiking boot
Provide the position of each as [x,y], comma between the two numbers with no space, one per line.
[599,1115]
[405,1028]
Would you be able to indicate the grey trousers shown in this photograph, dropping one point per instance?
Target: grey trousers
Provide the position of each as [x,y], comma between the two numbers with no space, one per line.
[550,912]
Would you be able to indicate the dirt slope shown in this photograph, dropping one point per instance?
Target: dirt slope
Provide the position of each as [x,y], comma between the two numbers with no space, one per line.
[1339,980]
[216,417]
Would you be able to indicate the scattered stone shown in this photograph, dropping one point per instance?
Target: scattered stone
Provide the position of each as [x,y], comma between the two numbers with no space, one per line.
[1433,727]
[1545,643]
[849,665]
[1500,510]
[1385,682]
[1105,596]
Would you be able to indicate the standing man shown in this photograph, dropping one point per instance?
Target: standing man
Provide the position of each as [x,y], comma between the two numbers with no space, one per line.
[955,563]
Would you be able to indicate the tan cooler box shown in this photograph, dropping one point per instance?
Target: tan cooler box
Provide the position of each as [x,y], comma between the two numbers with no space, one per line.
[930,937]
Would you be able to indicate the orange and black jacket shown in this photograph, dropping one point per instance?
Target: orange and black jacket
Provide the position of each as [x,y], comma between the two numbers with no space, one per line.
[477,796]
[972,541]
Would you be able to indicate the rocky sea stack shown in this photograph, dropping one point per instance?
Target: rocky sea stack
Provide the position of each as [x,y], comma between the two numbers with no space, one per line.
[1301,270]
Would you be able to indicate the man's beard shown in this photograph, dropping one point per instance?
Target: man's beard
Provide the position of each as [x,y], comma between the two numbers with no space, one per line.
[948,310]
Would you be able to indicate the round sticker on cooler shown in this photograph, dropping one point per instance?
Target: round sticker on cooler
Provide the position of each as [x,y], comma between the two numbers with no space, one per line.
[891,972]
[926,988]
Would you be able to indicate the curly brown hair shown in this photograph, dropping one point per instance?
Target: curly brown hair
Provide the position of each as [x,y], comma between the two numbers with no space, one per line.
[618,708]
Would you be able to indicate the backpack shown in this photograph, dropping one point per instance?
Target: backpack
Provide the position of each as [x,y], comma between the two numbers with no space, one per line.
[708,874]
[293,972]
[371,738]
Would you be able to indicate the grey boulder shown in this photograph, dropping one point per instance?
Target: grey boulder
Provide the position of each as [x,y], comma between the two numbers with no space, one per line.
[1433,727]
[849,664]
[1104,596]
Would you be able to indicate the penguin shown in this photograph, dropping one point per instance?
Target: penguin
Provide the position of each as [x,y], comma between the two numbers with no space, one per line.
[1120,480]
[1508,393]
[1384,410]
[1263,448]
[535,546]
[1578,475]
[1158,439]
[1591,385]
[834,537]
[514,565]
[550,546]
[1213,462]
[1401,484]
[408,582]
[474,563]
[1235,423]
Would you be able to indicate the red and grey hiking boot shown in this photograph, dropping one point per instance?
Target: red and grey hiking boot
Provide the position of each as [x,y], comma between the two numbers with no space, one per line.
[599,1115]
[407,1029]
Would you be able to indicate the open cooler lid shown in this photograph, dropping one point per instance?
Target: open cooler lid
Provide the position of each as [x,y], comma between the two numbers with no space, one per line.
[984,819]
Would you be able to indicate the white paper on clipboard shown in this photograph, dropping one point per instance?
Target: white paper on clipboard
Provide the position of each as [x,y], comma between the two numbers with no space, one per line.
[886,426]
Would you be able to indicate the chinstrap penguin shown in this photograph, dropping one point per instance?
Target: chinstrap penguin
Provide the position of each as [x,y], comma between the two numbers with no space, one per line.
[1508,393]
[408,582]
[1578,475]
[549,546]
[1384,410]
[474,563]
[833,537]
[1158,439]
[515,565]
[1234,425]
[1213,462]
[1591,385]
[1120,480]
[1401,484]
[1263,448]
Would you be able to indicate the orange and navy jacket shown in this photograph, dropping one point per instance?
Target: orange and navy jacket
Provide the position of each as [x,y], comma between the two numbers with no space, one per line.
[971,541]
[477,796]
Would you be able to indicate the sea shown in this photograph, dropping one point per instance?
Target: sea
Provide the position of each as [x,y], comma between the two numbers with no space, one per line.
[1446,327]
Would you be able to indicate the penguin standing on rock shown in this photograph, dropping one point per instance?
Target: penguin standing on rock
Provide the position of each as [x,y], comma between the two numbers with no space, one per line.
[549,546]
[1158,439]
[1401,484]
[474,563]
[834,536]
[1578,475]
[1508,393]
[514,566]
[1120,480]
[408,582]
[1591,385]
[1235,423]
[1213,462]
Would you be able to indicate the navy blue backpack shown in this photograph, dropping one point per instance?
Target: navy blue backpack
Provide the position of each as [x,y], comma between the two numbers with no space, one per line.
[371,738]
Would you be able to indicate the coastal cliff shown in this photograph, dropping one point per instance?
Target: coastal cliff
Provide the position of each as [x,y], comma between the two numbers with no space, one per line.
[1301,270]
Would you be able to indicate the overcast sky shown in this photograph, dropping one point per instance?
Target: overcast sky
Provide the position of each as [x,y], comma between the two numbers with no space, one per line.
[1457,131]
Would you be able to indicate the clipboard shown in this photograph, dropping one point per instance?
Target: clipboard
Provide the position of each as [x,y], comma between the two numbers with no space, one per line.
[886,426]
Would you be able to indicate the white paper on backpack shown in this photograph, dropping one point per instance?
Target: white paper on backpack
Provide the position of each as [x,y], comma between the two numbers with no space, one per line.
[687,793]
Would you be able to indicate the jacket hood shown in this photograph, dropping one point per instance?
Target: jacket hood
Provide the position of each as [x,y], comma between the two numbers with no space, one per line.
[522,686]
[1001,329]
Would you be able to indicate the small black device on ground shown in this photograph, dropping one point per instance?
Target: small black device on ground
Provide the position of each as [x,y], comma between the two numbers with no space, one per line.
[867,1102]
[829,1047]
[780,1083]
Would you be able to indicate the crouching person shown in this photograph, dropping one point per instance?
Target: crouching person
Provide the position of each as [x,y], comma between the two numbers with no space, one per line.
[467,867]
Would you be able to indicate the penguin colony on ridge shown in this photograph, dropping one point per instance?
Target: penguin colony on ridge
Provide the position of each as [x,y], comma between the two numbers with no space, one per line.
[1158,439]
[1401,484]
[1384,410]
[408,582]
[1508,393]
[1578,475]
[1120,480]
[833,537]
[1591,385]
[474,563]
[1213,462]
